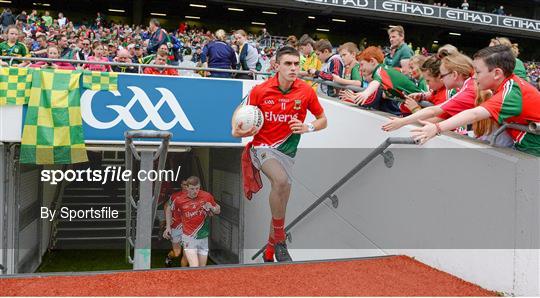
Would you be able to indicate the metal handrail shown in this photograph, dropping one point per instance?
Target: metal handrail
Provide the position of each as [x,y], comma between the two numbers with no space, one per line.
[330,192]
[533,127]
[423,103]
[138,65]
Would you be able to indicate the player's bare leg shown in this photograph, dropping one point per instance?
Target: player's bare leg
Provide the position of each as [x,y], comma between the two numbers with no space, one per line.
[202,260]
[192,257]
[279,197]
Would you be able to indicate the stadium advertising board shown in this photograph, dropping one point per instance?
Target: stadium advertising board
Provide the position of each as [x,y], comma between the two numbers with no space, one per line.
[445,13]
[195,110]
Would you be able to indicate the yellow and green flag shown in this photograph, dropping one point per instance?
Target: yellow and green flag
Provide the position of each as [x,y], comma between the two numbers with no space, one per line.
[15,85]
[97,80]
[53,132]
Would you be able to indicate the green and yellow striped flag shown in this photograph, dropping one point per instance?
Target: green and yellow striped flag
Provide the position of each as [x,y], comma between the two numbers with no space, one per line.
[97,80]
[53,132]
[15,85]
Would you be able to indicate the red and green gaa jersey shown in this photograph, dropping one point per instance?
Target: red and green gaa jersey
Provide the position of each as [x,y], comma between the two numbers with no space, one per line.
[441,95]
[174,204]
[517,101]
[393,82]
[279,107]
[195,220]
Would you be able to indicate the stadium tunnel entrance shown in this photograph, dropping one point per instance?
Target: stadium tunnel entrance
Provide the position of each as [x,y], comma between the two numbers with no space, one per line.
[33,242]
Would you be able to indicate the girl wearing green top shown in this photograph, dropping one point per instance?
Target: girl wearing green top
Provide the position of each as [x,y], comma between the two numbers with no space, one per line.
[348,52]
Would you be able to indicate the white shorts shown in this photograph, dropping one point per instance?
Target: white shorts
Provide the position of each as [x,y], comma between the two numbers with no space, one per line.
[260,155]
[176,235]
[194,244]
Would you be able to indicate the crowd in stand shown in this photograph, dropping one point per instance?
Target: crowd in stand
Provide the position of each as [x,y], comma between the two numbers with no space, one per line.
[395,82]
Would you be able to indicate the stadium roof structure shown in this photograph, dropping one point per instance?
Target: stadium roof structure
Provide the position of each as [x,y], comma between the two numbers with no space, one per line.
[413,13]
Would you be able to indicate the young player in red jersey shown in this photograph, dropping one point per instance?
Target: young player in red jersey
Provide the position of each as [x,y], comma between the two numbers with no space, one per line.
[173,229]
[196,206]
[284,101]
[514,100]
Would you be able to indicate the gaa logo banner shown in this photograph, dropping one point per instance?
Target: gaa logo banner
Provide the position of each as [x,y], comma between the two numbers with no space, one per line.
[195,110]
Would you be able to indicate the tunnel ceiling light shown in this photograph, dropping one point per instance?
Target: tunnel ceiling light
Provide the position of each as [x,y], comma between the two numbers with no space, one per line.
[269,12]
[116,10]
[258,23]
[193,17]
[311,17]
[158,14]
[198,5]
[235,9]
[339,20]
[455,34]
[323,29]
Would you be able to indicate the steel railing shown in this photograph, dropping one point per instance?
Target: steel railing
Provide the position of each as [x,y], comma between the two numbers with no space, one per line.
[329,194]
[533,127]
[139,66]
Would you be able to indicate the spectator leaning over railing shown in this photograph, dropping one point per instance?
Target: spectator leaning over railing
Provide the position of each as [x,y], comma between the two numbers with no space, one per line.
[218,54]
[332,65]
[394,83]
[456,72]
[161,59]
[98,55]
[513,101]
[519,70]
[53,52]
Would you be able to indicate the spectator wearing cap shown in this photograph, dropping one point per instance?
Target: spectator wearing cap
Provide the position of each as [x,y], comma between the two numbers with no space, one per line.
[218,54]
[160,60]
[158,36]
[123,56]
[112,51]
[139,54]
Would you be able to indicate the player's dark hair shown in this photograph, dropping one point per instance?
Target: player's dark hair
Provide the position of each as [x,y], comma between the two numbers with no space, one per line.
[500,56]
[286,50]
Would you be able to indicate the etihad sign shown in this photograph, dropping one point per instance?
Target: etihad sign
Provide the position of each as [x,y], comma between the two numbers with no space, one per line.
[437,12]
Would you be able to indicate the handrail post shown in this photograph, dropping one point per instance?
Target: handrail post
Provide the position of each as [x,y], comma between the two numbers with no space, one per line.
[370,157]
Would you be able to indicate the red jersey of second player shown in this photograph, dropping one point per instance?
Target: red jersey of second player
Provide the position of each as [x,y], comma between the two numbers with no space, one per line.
[194,223]
[281,106]
[174,204]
